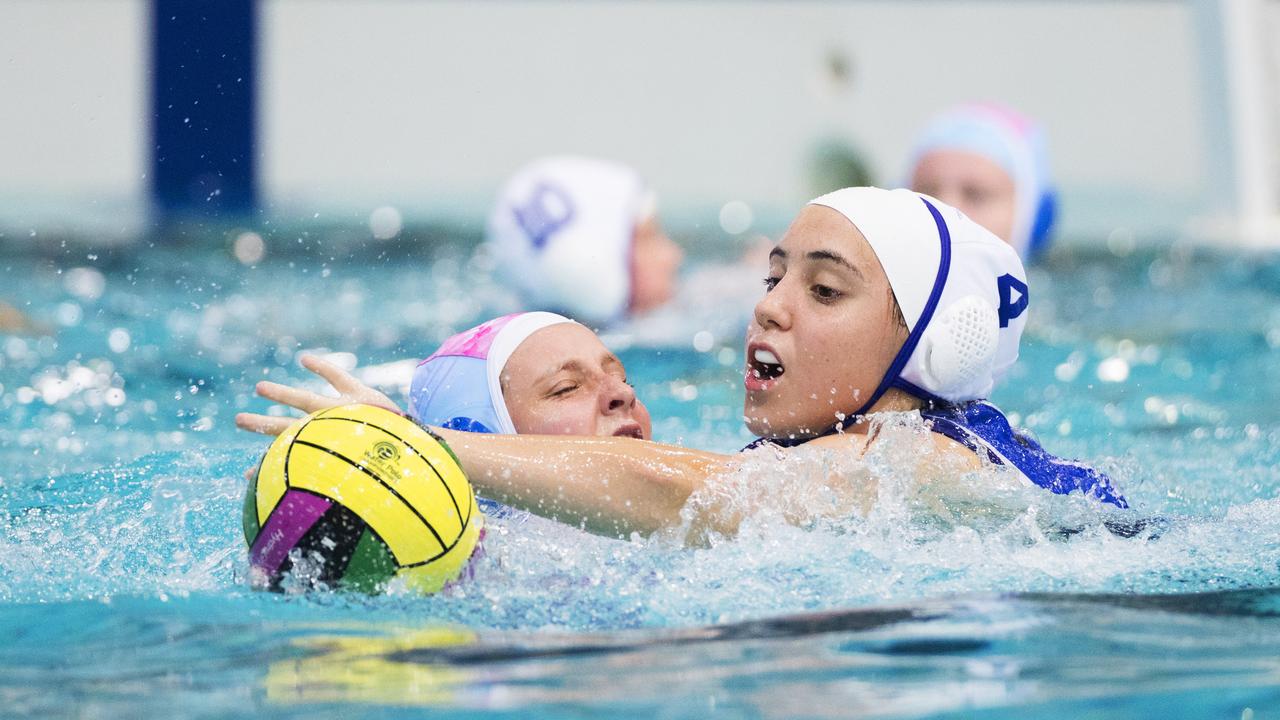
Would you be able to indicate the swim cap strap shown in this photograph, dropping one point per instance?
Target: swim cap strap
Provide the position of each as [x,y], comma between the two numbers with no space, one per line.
[913,389]
[1045,215]
[892,376]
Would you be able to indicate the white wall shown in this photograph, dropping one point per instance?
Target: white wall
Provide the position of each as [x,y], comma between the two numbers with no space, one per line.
[428,104]
[73,109]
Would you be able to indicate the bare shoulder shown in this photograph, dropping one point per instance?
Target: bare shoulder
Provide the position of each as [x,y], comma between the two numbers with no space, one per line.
[940,446]
[963,457]
[855,442]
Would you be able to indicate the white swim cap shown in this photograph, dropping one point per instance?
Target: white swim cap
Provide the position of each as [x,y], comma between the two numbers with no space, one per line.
[1015,143]
[561,234]
[962,292]
[460,386]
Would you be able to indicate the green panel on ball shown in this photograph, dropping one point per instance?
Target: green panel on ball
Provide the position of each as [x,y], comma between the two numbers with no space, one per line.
[371,566]
[250,516]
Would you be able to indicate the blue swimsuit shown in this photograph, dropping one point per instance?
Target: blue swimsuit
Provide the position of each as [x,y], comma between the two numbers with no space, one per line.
[981,427]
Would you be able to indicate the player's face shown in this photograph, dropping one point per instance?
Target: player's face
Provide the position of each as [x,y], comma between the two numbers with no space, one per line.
[824,334]
[655,264]
[563,381]
[972,184]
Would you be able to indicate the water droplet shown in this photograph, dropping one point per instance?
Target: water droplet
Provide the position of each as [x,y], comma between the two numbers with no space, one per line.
[249,248]
[85,283]
[119,340]
[1113,370]
[385,223]
[703,341]
[736,217]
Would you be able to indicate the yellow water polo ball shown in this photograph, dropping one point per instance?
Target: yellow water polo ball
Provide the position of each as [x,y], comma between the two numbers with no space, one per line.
[355,496]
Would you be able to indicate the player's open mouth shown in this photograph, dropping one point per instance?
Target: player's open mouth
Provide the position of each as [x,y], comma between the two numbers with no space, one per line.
[763,367]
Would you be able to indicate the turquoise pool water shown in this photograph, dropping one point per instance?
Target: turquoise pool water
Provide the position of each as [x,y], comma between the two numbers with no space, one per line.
[122,566]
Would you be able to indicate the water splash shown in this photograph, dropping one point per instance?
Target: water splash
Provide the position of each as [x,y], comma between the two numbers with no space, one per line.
[810,536]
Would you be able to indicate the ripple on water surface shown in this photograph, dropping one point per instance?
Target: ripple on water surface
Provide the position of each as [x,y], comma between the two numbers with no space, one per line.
[120,542]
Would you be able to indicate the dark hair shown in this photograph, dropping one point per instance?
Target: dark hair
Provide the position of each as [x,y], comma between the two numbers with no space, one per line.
[897,312]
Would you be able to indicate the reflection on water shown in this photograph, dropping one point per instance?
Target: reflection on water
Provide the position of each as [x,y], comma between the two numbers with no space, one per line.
[369,669]
[1072,650]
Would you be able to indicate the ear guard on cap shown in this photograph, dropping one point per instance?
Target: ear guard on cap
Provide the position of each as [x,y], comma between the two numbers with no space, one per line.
[959,347]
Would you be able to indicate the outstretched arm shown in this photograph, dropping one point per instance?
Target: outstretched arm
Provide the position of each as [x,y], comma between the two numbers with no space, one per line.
[613,486]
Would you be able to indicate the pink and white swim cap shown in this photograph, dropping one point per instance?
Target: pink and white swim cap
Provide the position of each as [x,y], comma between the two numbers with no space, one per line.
[1015,143]
[460,385]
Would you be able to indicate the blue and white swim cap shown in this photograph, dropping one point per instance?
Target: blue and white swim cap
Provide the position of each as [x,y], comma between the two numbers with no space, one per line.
[460,385]
[1015,143]
[561,233]
[961,289]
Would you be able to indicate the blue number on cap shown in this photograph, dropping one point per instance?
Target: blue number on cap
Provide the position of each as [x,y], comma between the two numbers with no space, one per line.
[1010,307]
[547,210]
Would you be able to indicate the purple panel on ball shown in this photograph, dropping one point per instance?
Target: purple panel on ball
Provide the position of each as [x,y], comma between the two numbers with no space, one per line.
[292,518]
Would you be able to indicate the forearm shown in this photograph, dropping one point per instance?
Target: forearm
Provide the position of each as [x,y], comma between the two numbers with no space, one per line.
[614,486]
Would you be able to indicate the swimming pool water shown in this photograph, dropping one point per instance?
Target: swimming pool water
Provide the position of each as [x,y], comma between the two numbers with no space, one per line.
[122,566]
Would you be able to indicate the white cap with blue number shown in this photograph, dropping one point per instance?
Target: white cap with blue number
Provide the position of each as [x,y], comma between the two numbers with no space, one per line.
[962,291]
[561,234]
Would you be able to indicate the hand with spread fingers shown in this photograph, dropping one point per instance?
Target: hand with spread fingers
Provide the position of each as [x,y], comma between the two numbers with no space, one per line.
[350,390]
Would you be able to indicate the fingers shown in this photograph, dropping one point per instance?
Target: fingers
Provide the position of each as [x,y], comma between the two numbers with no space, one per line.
[262,423]
[342,381]
[348,386]
[350,389]
[377,399]
[303,400]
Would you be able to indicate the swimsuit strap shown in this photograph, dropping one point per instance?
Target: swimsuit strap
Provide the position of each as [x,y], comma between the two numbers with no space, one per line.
[777,442]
